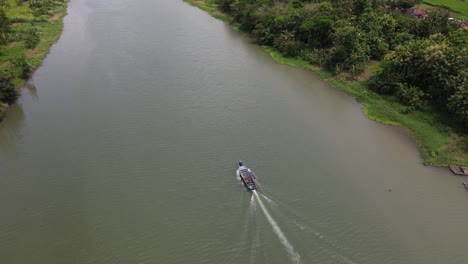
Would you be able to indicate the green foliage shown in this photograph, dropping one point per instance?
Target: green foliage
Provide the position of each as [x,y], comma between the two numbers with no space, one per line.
[7,90]
[459,38]
[403,4]
[434,70]
[463,144]
[21,63]
[315,56]
[411,96]
[317,24]
[18,59]
[4,27]
[225,5]
[458,103]
[350,49]
[384,82]
[31,38]
[436,22]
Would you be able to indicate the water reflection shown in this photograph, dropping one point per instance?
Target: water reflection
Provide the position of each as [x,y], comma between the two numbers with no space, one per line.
[10,131]
[30,87]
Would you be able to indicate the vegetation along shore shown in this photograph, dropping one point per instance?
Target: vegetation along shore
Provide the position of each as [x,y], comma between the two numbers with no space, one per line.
[28,28]
[406,65]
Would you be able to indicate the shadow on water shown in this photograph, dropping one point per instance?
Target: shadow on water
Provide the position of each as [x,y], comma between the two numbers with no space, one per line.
[11,127]
[30,87]
[10,130]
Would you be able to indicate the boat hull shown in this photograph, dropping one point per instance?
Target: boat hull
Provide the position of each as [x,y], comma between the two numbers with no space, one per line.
[248,178]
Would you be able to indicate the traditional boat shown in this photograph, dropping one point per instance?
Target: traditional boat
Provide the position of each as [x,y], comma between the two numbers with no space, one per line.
[246,176]
[459,170]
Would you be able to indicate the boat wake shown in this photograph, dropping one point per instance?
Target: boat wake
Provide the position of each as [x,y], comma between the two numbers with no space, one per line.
[270,201]
[253,206]
[295,257]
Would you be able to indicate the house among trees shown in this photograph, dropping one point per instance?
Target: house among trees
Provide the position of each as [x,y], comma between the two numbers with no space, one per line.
[417,12]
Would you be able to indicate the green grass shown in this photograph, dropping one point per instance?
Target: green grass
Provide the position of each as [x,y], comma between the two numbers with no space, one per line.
[426,128]
[15,10]
[454,5]
[50,33]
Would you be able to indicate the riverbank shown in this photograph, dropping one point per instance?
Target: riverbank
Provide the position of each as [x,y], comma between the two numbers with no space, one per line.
[438,143]
[32,32]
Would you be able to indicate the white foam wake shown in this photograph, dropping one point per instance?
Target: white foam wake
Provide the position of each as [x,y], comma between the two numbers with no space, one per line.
[295,257]
[270,201]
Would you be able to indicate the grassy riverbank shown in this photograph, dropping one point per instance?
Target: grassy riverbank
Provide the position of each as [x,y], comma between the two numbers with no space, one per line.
[458,6]
[31,33]
[437,141]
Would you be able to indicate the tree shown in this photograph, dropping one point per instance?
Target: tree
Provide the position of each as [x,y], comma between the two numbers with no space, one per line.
[361,6]
[436,22]
[431,69]
[315,29]
[459,38]
[350,49]
[225,5]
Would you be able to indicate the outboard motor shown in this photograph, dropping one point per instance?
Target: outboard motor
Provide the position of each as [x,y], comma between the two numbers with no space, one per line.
[241,163]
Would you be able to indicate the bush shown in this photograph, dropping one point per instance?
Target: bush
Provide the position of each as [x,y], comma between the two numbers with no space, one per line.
[458,104]
[315,56]
[25,71]
[384,83]
[18,60]
[410,96]
[7,90]
[292,48]
[31,38]
[463,144]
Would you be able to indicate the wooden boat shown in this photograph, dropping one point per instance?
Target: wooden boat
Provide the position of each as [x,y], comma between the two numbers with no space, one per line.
[459,170]
[247,176]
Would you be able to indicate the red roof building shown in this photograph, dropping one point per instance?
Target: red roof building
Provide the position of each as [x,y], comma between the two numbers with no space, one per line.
[417,12]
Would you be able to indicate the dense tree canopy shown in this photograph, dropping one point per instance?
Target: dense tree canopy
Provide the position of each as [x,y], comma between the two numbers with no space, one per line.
[436,69]
[427,57]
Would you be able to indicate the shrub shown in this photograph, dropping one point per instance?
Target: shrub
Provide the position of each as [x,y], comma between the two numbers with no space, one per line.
[25,70]
[18,60]
[31,38]
[410,96]
[384,83]
[7,90]
[463,144]
[315,56]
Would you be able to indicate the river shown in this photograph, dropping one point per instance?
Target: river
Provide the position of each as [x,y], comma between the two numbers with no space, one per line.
[123,149]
